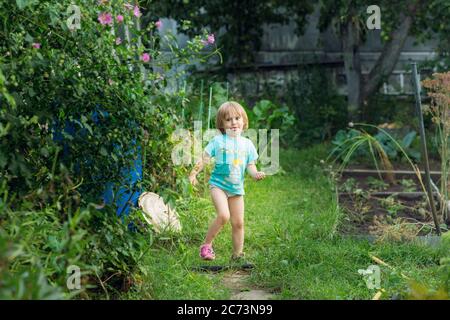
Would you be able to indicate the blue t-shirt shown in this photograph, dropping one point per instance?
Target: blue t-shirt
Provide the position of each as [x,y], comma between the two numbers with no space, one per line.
[232,155]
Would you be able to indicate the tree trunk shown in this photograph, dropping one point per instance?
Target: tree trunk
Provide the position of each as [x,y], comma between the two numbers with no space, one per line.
[352,64]
[359,90]
[391,52]
[388,58]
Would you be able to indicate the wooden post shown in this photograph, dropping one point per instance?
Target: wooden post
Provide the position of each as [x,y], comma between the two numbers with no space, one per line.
[424,146]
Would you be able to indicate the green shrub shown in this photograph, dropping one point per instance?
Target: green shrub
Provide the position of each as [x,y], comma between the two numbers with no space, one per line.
[320,111]
[76,108]
[39,246]
[267,115]
[409,143]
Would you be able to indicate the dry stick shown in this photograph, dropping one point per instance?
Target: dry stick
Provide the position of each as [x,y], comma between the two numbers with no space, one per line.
[114,274]
[377,296]
[209,106]
[182,102]
[424,147]
[379,261]
[379,293]
[101,283]
[200,110]
[200,117]
[390,193]
[353,172]
[436,189]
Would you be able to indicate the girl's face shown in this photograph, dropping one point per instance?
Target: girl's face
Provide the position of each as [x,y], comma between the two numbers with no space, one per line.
[233,124]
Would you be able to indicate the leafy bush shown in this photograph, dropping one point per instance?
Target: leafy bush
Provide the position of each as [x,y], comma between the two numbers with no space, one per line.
[319,110]
[267,115]
[445,260]
[196,103]
[41,245]
[77,108]
[24,283]
[409,143]
[341,141]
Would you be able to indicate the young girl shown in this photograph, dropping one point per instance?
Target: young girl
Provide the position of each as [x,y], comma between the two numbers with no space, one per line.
[233,154]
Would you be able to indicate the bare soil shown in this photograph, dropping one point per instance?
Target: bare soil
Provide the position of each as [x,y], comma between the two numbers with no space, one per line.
[366,212]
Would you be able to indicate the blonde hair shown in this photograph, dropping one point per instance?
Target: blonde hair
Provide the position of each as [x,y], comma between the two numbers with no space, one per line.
[227,109]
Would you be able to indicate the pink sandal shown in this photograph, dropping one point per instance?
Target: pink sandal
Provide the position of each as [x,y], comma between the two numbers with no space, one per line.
[207,252]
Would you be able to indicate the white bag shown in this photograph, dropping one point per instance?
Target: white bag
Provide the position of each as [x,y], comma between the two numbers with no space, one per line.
[157,213]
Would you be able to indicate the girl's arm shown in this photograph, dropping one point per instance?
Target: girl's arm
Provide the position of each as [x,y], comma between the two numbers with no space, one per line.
[254,173]
[198,168]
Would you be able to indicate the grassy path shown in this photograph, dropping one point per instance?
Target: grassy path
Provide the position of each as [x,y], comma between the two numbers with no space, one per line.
[291,236]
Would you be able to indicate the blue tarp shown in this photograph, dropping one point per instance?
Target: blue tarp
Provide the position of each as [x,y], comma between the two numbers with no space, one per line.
[126,193]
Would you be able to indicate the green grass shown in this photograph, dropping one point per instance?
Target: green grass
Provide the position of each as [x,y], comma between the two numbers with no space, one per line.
[291,222]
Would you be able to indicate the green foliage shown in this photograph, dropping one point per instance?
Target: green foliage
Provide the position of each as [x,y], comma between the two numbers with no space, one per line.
[196,103]
[320,111]
[46,243]
[81,79]
[445,259]
[408,185]
[24,283]
[238,25]
[39,245]
[338,12]
[4,95]
[392,206]
[395,149]
[77,107]
[426,16]
[376,184]
[391,109]
[406,143]
[423,290]
[437,12]
[345,137]
[267,115]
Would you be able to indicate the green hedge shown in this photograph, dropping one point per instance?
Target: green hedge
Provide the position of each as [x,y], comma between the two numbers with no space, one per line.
[52,76]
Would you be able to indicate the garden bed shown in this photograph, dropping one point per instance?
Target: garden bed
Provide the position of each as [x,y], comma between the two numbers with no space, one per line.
[375,206]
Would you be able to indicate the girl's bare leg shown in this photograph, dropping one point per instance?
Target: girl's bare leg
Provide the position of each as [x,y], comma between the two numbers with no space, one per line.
[219,199]
[236,205]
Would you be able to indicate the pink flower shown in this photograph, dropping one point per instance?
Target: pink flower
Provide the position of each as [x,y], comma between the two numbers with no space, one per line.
[158,24]
[110,82]
[137,12]
[145,57]
[119,18]
[118,40]
[105,18]
[210,40]
[128,6]
[36,45]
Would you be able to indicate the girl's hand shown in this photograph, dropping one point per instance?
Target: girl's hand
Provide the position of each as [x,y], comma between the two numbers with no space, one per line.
[259,175]
[193,180]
